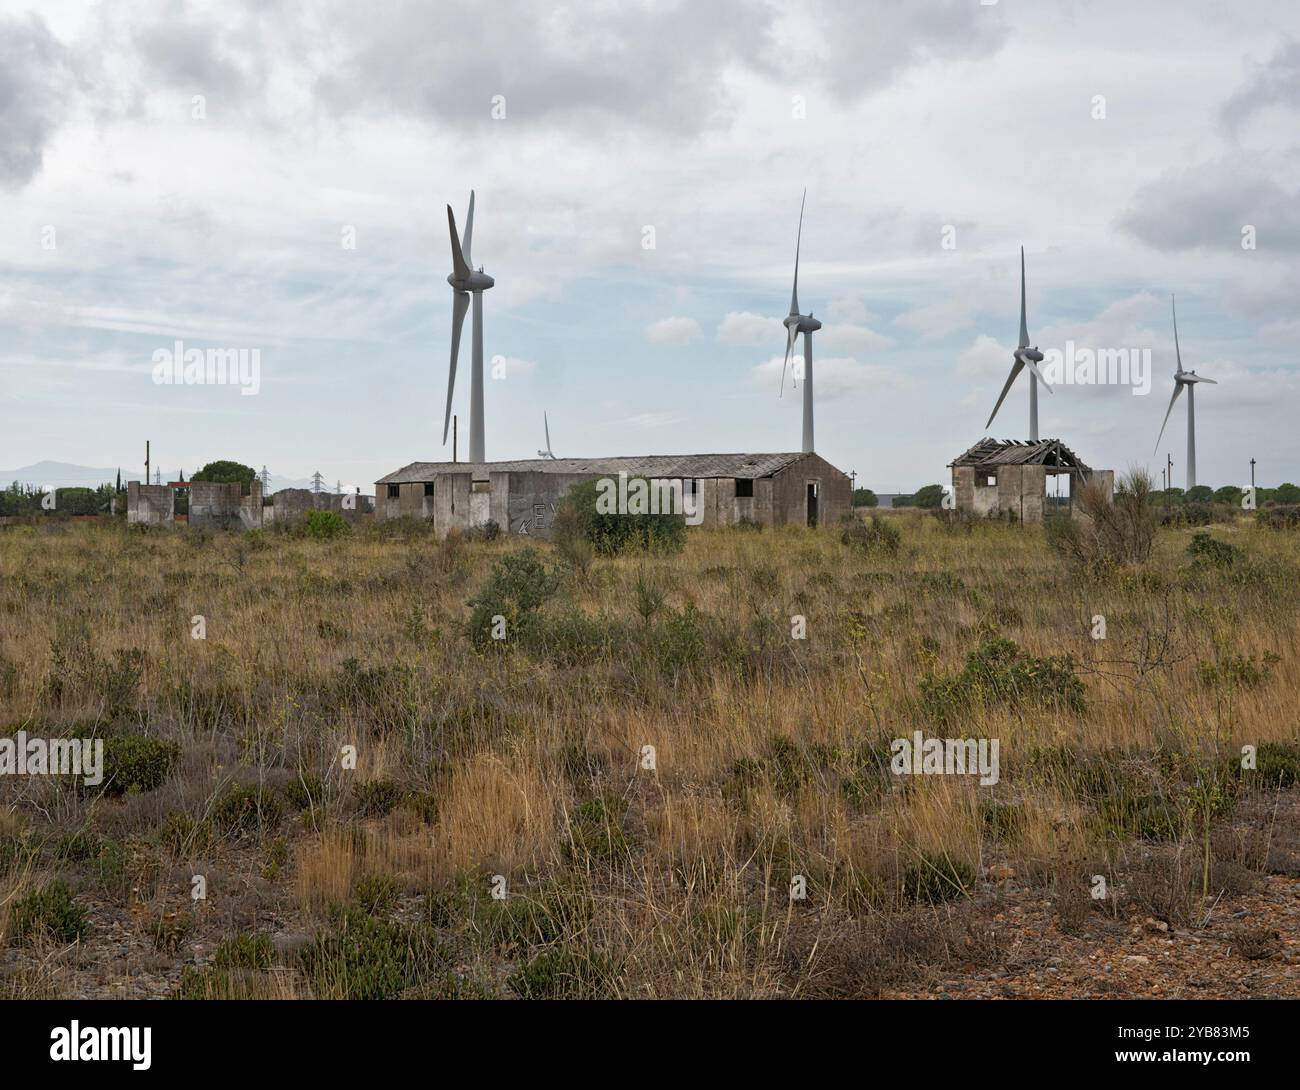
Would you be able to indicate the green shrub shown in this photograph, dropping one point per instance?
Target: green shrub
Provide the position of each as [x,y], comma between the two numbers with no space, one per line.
[78,847]
[1277,764]
[518,586]
[376,798]
[247,950]
[566,973]
[596,832]
[325,525]
[999,671]
[610,532]
[376,893]
[937,877]
[136,762]
[880,535]
[50,912]
[304,792]
[244,811]
[1238,671]
[370,957]
[1279,518]
[1209,550]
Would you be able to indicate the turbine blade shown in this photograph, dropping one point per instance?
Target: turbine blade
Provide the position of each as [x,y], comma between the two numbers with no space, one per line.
[460,304]
[1211,381]
[798,242]
[1177,354]
[547,424]
[469,231]
[1038,374]
[1015,370]
[457,258]
[1178,389]
[1024,325]
[791,335]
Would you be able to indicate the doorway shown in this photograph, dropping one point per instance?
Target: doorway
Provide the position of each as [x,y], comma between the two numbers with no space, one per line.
[814,490]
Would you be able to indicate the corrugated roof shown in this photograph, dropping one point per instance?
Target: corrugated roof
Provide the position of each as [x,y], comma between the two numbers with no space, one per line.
[648,465]
[1021,452]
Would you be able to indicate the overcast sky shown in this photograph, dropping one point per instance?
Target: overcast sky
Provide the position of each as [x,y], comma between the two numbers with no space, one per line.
[191,171]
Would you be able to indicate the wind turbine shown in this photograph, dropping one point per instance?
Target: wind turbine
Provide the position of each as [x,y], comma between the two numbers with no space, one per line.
[806,324]
[1184,380]
[547,452]
[465,281]
[1024,356]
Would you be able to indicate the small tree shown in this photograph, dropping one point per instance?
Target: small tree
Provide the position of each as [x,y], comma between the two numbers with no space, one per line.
[226,472]
[864,497]
[1202,493]
[929,496]
[1286,494]
[612,532]
[1229,493]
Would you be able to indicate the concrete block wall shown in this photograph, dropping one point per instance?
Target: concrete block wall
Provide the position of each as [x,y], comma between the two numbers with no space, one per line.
[152,504]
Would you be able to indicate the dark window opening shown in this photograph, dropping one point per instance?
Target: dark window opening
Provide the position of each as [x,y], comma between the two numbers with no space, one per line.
[481,486]
[394,491]
[428,488]
[744,487]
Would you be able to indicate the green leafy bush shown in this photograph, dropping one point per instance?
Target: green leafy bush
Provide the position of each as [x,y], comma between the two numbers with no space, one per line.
[519,585]
[375,798]
[370,957]
[325,525]
[245,810]
[936,877]
[50,912]
[247,950]
[880,535]
[1209,550]
[136,761]
[610,532]
[999,671]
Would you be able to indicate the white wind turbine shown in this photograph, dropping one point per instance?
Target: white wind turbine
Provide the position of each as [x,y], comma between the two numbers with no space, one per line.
[547,452]
[1184,380]
[465,281]
[796,323]
[1024,356]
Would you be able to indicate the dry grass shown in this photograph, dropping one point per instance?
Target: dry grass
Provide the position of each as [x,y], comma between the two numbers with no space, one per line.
[529,763]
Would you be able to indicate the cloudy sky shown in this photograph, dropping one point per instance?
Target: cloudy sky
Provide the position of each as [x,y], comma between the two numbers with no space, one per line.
[273,177]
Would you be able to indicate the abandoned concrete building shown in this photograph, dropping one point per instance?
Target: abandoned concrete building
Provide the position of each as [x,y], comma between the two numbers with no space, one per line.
[224,506]
[522,496]
[1007,478]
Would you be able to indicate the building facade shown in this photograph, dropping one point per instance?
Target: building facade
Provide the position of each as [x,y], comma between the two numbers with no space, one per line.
[523,496]
[1007,478]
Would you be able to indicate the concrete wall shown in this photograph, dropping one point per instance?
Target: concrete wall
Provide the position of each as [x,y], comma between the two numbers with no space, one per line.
[790,492]
[224,506]
[152,504]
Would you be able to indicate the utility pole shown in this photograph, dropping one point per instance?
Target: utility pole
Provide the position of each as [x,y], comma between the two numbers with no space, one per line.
[1171,470]
[1252,475]
[146,461]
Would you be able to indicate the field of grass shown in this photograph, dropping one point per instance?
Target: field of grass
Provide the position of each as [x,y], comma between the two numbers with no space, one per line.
[618,798]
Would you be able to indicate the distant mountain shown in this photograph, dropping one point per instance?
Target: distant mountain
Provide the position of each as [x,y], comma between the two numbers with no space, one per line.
[66,475]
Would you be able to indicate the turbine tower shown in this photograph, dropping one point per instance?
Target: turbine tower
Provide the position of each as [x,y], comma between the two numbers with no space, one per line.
[547,452]
[1024,356]
[465,281]
[806,324]
[1184,380]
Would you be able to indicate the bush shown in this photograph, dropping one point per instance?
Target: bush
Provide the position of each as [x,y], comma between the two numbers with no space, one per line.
[999,671]
[516,589]
[879,535]
[243,811]
[51,912]
[136,762]
[566,973]
[325,525]
[369,957]
[1112,531]
[227,472]
[249,950]
[1219,554]
[931,496]
[937,877]
[610,532]
[376,893]
[864,497]
[1279,518]
[376,798]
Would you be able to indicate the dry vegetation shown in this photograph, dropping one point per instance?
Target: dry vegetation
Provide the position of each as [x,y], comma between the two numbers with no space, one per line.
[524,759]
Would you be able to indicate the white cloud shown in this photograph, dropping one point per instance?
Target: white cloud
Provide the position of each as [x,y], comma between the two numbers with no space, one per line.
[750,330]
[986,358]
[672,331]
[934,321]
[833,377]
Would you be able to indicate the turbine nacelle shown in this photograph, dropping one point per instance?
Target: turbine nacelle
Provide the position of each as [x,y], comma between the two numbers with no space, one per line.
[477,280]
[801,323]
[1029,355]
